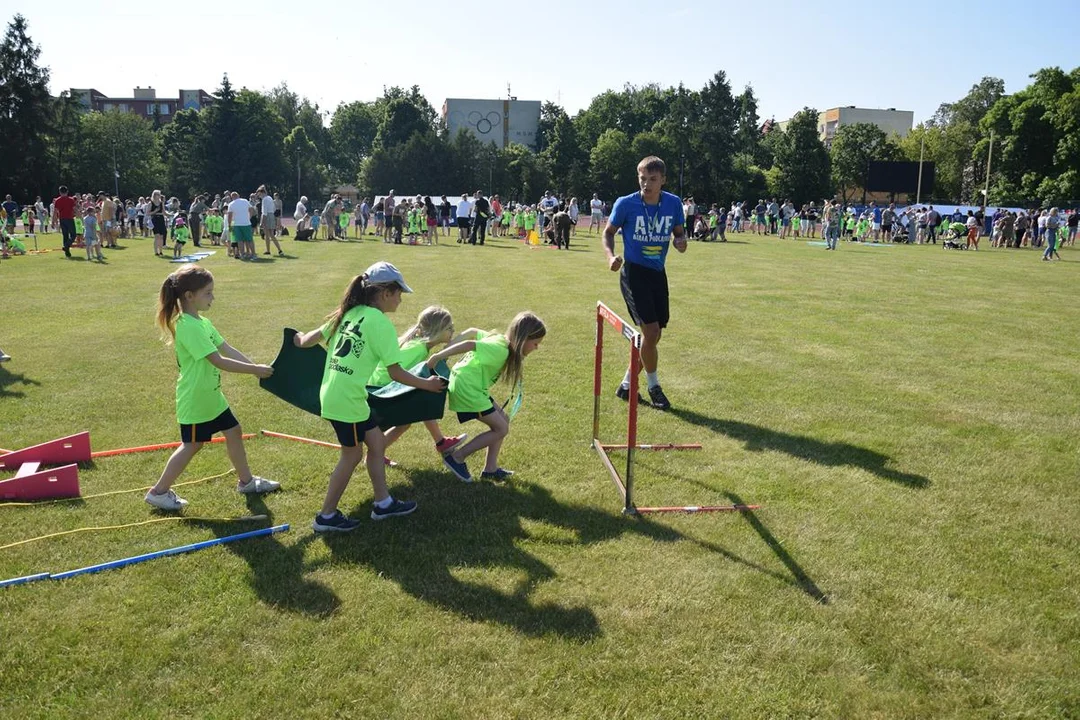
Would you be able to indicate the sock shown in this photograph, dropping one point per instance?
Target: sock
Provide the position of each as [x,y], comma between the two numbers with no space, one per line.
[626,380]
[652,380]
[326,517]
[383,504]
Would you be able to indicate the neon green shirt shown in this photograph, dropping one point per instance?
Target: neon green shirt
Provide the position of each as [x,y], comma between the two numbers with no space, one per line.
[181,234]
[16,244]
[215,224]
[364,338]
[472,377]
[78,226]
[530,220]
[412,353]
[198,389]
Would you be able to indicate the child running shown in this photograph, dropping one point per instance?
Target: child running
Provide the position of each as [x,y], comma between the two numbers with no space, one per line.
[181,235]
[201,408]
[488,357]
[433,327]
[359,336]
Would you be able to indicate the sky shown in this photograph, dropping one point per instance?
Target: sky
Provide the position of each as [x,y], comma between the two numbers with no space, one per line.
[793,54]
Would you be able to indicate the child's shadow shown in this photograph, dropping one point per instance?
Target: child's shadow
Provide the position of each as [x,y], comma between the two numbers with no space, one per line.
[277,569]
[464,529]
[8,378]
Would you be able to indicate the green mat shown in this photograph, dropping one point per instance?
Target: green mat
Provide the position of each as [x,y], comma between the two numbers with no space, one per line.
[298,375]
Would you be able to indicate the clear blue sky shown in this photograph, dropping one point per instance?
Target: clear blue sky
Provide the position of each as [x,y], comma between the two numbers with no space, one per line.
[793,53]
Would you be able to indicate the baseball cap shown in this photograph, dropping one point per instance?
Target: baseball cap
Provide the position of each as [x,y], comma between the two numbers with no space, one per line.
[384,272]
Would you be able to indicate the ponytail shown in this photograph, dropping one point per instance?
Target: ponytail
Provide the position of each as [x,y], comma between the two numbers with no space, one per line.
[189,278]
[432,322]
[359,292]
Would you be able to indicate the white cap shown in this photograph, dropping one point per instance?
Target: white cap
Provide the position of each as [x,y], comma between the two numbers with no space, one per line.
[384,272]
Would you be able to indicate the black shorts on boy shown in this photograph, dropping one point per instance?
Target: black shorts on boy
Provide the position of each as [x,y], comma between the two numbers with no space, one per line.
[352,434]
[203,432]
[646,294]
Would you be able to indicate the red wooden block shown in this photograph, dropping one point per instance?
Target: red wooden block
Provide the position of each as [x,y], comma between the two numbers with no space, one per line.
[61,482]
[70,449]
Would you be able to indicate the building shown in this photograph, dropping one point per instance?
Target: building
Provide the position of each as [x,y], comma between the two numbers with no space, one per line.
[891,121]
[144,101]
[494,121]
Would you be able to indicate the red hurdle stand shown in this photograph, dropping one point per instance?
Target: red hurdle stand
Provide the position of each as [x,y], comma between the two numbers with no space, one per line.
[604,314]
[31,483]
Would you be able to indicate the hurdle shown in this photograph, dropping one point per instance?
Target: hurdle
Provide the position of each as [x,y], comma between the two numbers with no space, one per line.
[625,484]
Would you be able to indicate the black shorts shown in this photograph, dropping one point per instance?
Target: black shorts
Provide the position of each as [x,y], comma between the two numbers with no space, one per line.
[352,434]
[464,417]
[646,294]
[463,222]
[202,432]
[887,227]
[158,221]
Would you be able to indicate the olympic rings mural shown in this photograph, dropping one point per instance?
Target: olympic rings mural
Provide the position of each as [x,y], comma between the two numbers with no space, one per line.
[483,124]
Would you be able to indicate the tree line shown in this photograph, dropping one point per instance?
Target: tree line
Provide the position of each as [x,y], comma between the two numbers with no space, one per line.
[715,144]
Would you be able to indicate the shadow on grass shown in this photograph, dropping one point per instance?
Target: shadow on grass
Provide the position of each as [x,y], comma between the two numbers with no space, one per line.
[8,378]
[757,438]
[277,569]
[483,526]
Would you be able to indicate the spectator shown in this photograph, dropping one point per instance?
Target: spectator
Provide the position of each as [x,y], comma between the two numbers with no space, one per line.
[269,221]
[444,214]
[196,211]
[464,211]
[1071,223]
[301,208]
[388,214]
[562,222]
[596,214]
[481,213]
[12,209]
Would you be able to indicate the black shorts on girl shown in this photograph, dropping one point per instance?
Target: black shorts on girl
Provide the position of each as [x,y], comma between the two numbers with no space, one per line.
[646,294]
[464,417]
[352,434]
[202,432]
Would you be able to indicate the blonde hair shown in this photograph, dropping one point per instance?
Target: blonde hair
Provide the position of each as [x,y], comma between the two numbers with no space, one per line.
[189,278]
[524,327]
[432,322]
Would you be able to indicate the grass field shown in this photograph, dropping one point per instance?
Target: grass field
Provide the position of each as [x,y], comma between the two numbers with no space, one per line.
[906,417]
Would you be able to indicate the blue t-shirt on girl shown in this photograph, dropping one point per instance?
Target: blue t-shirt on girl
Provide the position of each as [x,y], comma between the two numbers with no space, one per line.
[646,229]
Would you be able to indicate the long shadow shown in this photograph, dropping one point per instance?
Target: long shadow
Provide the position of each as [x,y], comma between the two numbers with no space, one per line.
[8,378]
[757,439]
[484,526]
[278,571]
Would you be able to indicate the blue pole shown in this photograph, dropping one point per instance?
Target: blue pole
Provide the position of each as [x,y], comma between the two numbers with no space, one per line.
[23,580]
[171,551]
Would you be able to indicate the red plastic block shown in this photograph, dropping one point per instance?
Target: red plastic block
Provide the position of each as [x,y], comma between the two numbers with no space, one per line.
[70,449]
[61,482]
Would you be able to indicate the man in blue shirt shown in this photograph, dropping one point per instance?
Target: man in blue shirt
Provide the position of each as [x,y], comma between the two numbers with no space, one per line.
[647,219]
[12,209]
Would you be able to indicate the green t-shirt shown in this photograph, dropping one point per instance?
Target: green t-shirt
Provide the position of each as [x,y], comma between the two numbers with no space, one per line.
[412,353]
[472,377]
[198,389]
[181,234]
[214,224]
[16,244]
[364,338]
[78,226]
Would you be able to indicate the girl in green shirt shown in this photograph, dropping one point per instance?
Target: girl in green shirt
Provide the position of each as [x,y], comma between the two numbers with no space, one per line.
[433,327]
[201,408]
[358,337]
[488,357]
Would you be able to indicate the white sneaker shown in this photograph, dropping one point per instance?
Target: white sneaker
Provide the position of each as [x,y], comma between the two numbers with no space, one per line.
[258,485]
[166,501]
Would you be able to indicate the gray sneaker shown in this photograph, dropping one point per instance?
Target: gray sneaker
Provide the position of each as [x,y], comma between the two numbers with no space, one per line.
[166,500]
[258,485]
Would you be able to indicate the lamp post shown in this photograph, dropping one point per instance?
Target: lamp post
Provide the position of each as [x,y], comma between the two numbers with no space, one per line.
[115,172]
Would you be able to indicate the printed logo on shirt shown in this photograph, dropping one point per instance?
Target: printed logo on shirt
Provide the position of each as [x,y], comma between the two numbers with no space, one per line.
[652,230]
[350,341]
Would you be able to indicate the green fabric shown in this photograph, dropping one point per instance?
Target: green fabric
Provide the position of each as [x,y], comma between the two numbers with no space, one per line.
[473,376]
[198,389]
[364,338]
[181,235]
[298,374]
[412,352]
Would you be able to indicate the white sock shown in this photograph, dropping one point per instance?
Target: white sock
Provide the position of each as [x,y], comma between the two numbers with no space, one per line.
[382,504]
[626,380]
[651,378]
[326,517]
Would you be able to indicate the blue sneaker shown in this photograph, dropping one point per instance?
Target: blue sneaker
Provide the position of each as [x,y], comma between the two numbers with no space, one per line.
[397,507]
[460,470]
[337,523]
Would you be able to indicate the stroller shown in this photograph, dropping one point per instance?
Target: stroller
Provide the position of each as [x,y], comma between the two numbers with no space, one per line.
[955,237]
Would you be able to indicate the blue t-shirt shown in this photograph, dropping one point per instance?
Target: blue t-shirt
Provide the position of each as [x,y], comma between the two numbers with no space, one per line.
[877,215]
[646,229]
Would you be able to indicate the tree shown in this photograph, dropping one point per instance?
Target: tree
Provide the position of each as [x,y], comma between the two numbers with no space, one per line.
[960,175]
[303,157]
[25,113]
[64,137]
[748,126]
[182,142]
[545,130]
[802,160]
[853,147]
[566,159]
[402,118]
[127,137]
[219,153]
[352,136]
[713,137]
[612,164]
[526,174]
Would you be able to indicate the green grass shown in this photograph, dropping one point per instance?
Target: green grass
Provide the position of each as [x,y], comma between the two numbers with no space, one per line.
[907,418]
